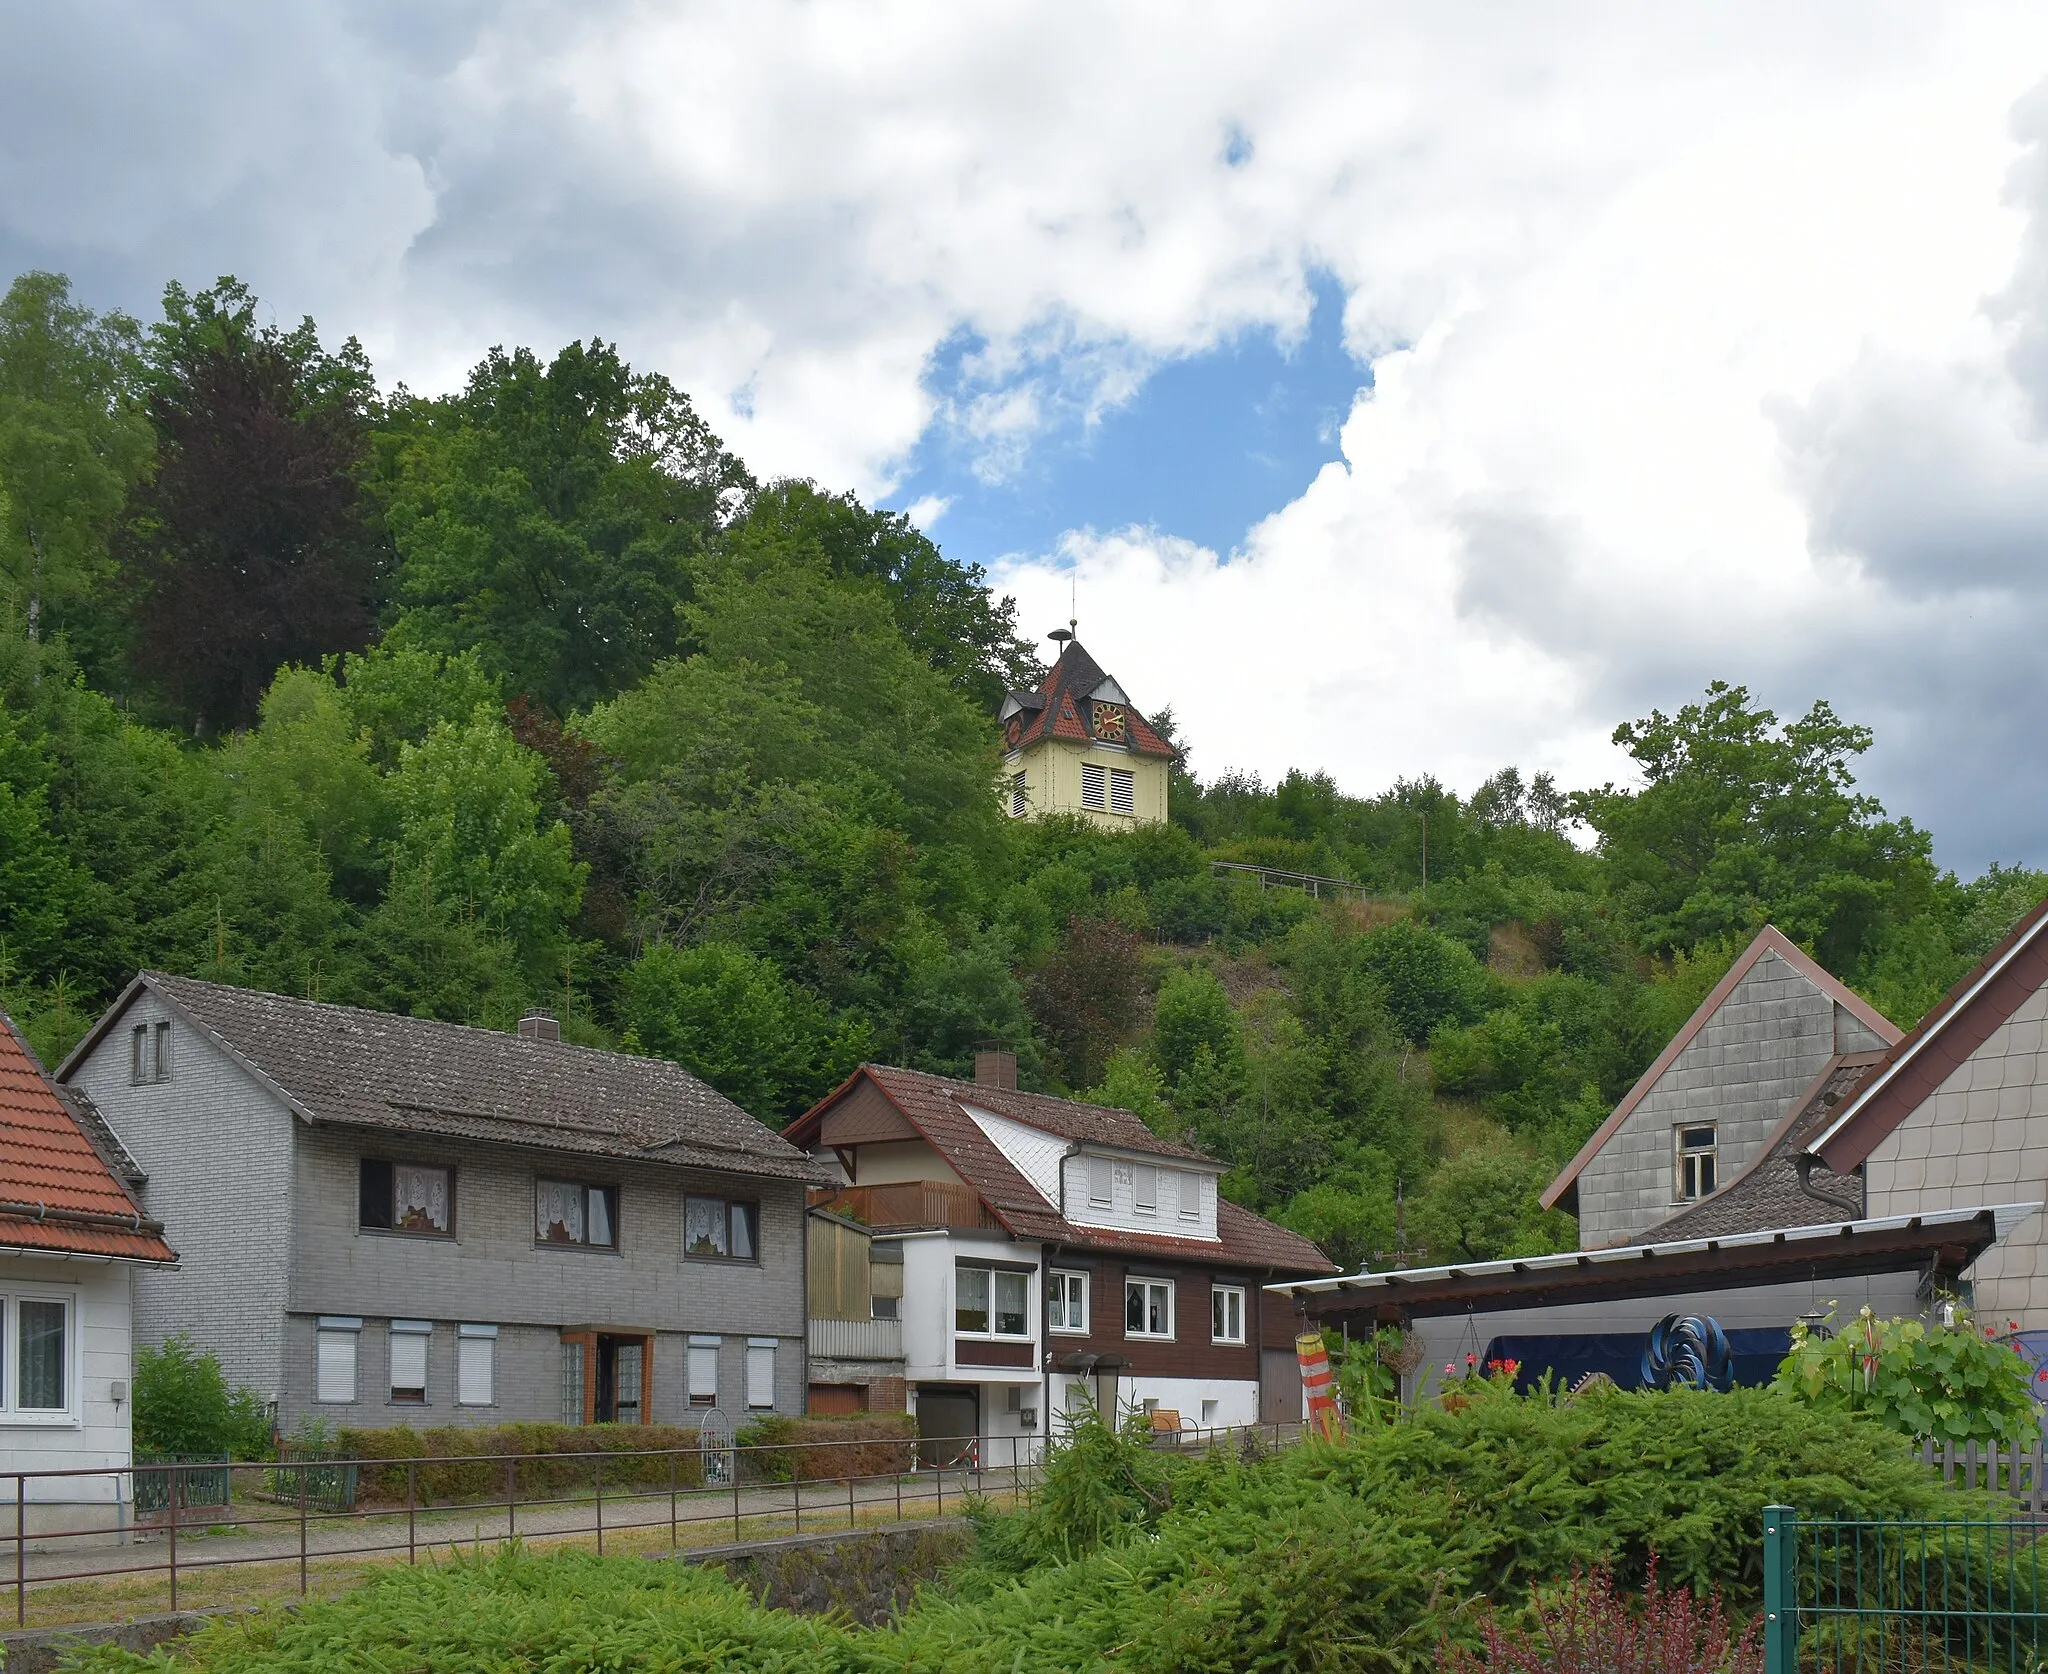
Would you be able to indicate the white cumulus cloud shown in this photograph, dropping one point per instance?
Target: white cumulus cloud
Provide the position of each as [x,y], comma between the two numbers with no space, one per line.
[1704,342]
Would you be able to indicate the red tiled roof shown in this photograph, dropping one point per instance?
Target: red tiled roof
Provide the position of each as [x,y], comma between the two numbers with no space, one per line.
[936,1106]
[1059,708]
[57,1192]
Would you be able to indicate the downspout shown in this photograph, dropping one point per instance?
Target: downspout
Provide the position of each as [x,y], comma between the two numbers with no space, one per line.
[1802,1169]
[1258,1349]
[803,1400]
[1045,1344]
[1045,1316]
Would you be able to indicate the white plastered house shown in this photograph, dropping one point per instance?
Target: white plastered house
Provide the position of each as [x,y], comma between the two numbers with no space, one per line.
[72,1234]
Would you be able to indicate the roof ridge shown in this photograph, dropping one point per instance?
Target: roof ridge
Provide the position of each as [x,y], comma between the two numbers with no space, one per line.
[408,1018]
[353,1066]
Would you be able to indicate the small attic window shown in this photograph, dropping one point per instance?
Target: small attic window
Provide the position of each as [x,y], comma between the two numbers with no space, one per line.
[1696,1162]
[149,1053]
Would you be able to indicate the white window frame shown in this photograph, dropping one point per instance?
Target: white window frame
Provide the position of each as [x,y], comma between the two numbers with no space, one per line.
[1683,1155]
[995,1275]
[351,1329]
[1222,1297]
[1133,1281]
[1095,786]
[760,1354]
[409,1332]
[70,1416]
[1068,1285]
[699,1390]
[474,1342]
[1123,792]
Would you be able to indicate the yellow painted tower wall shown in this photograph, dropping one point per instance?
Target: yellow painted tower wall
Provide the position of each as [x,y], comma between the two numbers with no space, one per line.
[1052,782]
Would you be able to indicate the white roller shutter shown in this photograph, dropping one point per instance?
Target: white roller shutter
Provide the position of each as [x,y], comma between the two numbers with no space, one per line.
[760,1371]
[334,1360]
[476,1369]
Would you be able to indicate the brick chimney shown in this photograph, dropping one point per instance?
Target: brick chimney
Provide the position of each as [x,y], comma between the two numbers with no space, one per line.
[540,1024]
[995,1068]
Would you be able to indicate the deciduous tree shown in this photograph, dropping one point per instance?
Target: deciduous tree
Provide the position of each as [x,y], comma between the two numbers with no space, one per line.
[252,545]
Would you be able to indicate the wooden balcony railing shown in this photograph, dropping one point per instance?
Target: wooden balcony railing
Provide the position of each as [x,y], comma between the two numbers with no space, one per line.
[920,1203]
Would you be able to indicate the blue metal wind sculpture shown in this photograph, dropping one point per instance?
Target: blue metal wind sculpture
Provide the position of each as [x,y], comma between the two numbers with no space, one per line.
[1688,1350]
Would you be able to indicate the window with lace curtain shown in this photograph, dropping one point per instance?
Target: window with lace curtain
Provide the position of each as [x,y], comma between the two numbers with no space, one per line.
[415,1198]
[568,1212]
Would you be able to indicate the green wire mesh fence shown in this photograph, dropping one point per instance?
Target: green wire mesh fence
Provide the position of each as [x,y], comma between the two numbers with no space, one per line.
[1943,1597]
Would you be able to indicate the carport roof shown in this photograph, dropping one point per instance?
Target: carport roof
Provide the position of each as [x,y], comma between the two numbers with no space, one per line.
[1950,1239]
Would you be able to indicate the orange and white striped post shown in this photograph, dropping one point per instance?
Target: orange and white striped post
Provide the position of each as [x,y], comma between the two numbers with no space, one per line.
[1318,1386]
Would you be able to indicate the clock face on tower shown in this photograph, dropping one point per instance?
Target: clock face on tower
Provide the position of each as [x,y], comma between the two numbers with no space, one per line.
[1015,730]
[1110,723]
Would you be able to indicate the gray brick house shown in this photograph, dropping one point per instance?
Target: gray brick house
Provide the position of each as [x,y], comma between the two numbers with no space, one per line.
[387,1220]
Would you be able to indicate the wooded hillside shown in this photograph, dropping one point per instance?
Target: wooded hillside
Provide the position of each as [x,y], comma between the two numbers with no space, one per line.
[532,693]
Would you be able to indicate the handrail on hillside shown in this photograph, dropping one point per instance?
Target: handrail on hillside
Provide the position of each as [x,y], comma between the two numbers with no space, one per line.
[1273,877]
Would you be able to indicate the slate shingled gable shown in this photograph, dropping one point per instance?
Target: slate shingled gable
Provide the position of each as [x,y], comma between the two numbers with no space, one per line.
[1562,1192]
[1782,1187]
[1953,1028]
[371,1069]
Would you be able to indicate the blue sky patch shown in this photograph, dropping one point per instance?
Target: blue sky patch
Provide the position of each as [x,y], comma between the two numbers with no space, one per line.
[1203,447]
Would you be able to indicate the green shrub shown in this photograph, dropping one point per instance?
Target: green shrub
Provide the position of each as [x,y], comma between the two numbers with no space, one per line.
[1373,1555]
[566,1611]
[1515,1490]
[463,1464]
[1953,1383]
[785,1449]
[183,1406]
[1428,980]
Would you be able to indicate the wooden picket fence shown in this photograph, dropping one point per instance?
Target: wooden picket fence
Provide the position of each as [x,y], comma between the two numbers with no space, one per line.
[2019,1468]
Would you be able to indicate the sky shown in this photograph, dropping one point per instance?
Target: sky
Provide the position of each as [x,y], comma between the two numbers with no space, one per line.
[1389,390]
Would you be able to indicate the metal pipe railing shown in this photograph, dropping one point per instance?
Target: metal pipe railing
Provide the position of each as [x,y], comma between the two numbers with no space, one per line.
[274,1502]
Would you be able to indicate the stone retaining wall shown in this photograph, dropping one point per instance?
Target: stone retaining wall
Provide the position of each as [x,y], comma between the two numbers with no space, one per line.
[870,1574]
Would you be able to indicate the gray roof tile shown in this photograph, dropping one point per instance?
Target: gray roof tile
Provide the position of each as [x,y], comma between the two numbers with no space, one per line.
[374,1069]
